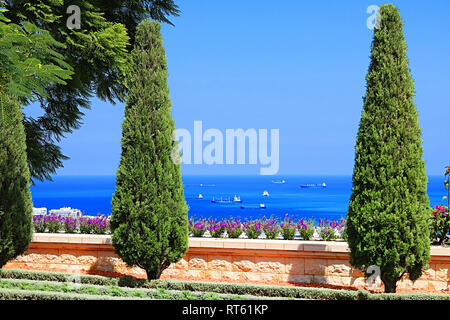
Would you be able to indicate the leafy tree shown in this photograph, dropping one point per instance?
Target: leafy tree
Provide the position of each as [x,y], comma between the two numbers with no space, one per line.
[27,63]
[149,213]
[98,55]
[388,213]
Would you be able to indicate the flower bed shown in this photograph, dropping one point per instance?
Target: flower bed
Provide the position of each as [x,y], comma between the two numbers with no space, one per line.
[264,228]
[267,228]
[81,224]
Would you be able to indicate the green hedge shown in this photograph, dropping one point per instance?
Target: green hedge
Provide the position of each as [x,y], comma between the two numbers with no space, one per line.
[17,294]
[113,291]
[194,287]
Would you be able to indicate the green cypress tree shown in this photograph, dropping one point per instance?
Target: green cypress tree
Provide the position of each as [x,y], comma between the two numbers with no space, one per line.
[149,212]
[15,197]
[389,208]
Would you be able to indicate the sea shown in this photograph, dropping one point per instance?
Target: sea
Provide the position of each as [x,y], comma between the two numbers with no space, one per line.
[93,194]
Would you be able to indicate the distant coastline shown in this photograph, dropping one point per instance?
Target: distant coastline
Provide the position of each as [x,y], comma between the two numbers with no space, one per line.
[92,195]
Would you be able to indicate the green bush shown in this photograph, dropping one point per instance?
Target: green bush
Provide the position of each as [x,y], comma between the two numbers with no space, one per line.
[200,289]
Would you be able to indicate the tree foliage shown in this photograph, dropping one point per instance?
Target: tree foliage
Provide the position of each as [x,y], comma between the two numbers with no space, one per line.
[97,54]
[15,197]
[149,213]
[388,213]
[28,64]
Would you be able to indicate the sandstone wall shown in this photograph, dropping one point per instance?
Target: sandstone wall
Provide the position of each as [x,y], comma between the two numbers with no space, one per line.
[232,260]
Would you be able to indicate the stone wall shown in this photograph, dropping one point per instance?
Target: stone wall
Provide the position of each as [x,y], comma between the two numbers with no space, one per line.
[229,260]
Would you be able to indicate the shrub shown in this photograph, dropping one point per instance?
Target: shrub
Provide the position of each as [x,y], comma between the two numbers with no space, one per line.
[70,224]
[38,224]
[199,228]
[439,224]
[306,229]
[53,223]
[327,230]
[253,228]
[234,228]
[288,228]
[271,228]
[216,228]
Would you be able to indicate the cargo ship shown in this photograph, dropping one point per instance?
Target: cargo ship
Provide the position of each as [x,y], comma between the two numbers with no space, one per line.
[315,186]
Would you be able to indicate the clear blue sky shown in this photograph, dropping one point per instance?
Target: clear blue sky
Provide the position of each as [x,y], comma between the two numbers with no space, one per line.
[296,66]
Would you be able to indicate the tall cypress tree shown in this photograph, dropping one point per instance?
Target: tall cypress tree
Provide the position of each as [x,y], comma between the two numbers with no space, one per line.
[15,197]
[149,212]
[388,212]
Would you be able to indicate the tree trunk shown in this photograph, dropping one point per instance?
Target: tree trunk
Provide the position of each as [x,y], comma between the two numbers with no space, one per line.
[153,274]
[390,286]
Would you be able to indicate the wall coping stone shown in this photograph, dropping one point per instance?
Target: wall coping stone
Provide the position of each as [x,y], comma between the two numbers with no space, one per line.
[254,244]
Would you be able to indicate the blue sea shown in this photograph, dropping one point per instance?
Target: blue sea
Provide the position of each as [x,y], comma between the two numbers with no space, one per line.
[92,195]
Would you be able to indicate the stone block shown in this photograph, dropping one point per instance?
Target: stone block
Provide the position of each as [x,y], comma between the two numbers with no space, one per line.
[197,262]
[244,263]
[220,263]
[270,264]
[295,265]
[315,266]
[182,264]
[442,272]
[338,268]
[230,275]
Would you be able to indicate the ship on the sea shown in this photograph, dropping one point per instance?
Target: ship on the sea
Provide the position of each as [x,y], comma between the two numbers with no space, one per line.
[315,186]
[261,206]
[235,199]
[278,181]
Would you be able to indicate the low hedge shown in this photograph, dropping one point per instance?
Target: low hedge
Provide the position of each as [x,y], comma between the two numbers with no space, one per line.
[112,291]
[257,290]
[17,294]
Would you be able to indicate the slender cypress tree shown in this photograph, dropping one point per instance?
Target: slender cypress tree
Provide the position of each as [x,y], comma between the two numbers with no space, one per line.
[389,208]
[15,197]
[149,212]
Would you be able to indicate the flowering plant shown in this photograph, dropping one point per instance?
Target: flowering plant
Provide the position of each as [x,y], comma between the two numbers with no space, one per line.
[306,229]
[440,224]
[216,228]
[69,224]
[288,228]
[39,224]
[100,224]
[85,225]
[253,228]
[271,228]
[53,223]
[234,228]
[327,229]
[199,228]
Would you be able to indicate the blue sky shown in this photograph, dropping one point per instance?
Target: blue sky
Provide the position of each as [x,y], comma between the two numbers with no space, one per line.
[296,66]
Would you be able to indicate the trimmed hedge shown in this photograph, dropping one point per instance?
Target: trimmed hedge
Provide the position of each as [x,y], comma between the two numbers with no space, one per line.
[34,286]
[17,294]
[252,290]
